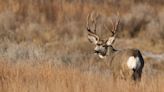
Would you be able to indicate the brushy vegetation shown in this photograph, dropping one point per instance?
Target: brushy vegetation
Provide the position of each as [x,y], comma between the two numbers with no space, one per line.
[44,45]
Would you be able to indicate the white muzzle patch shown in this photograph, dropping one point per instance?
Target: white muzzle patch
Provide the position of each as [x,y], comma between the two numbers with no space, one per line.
[101,56]
[133,62]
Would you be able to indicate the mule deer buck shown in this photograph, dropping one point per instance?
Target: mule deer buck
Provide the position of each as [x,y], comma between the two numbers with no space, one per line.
[126,63]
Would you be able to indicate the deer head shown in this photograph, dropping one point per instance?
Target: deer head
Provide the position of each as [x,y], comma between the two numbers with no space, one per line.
[102,46]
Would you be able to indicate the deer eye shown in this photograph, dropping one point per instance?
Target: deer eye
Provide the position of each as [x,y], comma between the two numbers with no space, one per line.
[104,45]
[98,44]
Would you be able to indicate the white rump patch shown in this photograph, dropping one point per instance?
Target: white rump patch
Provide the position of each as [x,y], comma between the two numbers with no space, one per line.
[133,63]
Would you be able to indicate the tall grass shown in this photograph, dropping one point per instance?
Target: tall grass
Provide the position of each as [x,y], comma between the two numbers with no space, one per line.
[48,77]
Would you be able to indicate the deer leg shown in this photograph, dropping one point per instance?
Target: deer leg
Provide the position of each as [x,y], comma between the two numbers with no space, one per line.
[137,74]
[122,75]
[129,74]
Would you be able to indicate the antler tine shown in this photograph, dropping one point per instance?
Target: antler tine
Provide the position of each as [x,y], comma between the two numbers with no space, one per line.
[113,28]
[95,25]
[115,25]
[117,22]
[94,21]
[88,22]
[88,26]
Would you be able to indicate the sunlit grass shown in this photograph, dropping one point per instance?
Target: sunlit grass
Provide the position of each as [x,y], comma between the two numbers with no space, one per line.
[47,77]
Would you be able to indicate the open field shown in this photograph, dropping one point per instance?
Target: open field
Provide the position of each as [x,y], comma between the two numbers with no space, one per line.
[47,77]
[44,45]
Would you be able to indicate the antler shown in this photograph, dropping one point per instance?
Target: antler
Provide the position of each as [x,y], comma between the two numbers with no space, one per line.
[114,30]
[93,33]
[115,25]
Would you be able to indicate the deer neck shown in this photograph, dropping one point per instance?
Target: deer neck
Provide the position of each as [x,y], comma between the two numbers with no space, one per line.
[110,50]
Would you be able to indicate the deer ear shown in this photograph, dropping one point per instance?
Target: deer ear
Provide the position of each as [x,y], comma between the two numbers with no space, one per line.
[92,39]
[110,41]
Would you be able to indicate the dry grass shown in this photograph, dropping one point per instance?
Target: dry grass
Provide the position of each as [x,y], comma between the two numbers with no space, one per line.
[44,46]
[48,77]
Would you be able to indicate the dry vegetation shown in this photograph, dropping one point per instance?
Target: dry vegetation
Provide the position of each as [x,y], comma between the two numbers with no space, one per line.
[44,48]
[47,77]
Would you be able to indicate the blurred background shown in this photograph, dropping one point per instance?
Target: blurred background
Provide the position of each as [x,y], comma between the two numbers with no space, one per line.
[56,29]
